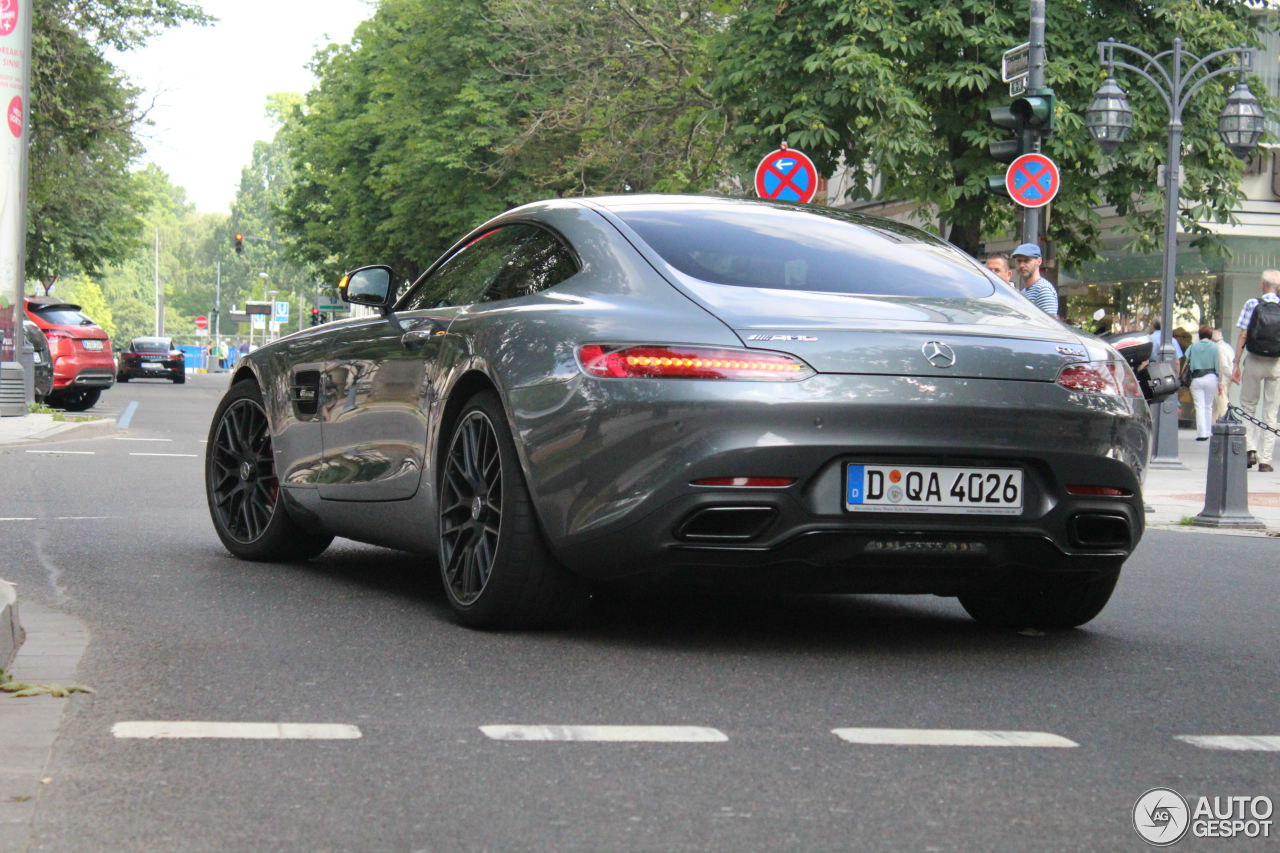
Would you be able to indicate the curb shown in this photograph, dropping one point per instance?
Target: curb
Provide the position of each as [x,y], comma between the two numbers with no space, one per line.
[11,633]
[41,427]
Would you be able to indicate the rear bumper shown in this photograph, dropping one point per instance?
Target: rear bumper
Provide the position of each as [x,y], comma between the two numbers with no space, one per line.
[611,470]
[91,377]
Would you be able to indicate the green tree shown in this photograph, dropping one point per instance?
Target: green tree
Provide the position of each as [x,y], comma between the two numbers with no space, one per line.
[438,116]
[898,91]
[82,207]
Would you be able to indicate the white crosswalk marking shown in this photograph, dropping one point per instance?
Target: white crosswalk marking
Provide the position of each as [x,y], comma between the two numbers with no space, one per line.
[607,734]
[154,729]
[952,737]
[1234,743]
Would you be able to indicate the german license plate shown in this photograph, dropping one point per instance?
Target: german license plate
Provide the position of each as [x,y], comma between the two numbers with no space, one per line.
[916,488]
[153,365]
[93,344]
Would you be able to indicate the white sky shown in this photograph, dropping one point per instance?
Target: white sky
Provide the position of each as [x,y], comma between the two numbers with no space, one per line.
[210,84]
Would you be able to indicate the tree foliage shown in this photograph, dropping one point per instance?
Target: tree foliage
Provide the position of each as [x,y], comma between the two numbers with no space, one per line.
[439,115]
[898,90]
[82,206]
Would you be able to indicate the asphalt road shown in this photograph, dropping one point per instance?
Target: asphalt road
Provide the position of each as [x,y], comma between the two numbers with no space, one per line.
[361,638]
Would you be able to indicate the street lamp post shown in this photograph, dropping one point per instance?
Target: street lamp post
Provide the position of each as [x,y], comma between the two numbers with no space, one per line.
[1109,119]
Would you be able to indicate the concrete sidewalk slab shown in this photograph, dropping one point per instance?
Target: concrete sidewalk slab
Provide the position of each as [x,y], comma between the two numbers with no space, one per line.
[28,726]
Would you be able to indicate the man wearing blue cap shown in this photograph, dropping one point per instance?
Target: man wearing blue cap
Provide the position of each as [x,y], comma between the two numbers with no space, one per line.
[1035,287]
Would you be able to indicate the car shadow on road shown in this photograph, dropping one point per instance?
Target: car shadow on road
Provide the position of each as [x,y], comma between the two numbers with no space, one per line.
[668,615]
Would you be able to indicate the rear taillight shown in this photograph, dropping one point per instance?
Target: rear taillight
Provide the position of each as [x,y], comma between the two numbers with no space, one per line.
[664,361]
[1111,378]
[1099,491]
[55,339]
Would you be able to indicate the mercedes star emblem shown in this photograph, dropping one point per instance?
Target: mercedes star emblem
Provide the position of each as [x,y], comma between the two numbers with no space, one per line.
[939,354]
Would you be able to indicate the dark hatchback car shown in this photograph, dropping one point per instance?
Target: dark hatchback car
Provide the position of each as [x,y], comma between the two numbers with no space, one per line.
[152,358]
[83,365]
[42,361]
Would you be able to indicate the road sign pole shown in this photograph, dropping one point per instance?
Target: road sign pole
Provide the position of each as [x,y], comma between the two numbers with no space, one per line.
[1035,82]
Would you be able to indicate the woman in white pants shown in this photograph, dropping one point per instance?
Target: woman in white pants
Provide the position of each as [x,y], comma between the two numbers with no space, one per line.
[1203,363]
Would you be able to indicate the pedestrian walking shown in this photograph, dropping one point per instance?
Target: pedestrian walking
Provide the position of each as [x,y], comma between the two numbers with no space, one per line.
[1035,287]
[1226,367]
[1258,369]
[1204,360]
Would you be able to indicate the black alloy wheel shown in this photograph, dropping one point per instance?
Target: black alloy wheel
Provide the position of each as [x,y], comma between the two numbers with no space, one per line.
[471,508]
[242,486]
[494,562]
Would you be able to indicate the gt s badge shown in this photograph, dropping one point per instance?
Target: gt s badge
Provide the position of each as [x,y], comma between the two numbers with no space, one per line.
[805,338]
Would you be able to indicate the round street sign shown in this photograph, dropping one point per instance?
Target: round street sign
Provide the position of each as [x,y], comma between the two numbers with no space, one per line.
[1032,180]
[787,175]
[202,322]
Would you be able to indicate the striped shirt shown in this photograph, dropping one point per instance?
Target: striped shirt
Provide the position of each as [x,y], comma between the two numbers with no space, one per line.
[1044,295]
[1246,313]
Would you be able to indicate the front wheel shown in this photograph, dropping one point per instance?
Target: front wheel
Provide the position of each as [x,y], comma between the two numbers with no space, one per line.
[242,488]
[1064,601]
[496,568]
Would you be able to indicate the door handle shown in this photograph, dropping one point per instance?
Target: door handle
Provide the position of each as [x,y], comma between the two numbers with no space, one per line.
[417,337]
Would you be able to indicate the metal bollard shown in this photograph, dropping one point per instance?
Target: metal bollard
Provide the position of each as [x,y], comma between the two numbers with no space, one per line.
[1226,488]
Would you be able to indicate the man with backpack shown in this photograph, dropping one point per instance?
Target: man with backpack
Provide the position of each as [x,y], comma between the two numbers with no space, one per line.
[1258,369]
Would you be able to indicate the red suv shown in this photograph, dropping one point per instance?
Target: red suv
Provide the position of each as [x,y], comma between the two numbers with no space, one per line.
[82,361]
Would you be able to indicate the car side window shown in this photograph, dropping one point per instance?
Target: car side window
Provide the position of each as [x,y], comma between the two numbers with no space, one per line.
[535,261]
[514,260]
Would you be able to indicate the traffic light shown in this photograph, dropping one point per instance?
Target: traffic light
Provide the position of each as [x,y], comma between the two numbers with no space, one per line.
[1005,150]
[239,244]
[315,317]
[1035,112]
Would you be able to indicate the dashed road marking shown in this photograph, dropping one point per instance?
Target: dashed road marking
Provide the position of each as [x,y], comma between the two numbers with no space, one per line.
[606,734]
[158,729]
[130,438]
[179,455]
[1234,743]
[61,518]
[64,452]
[952,737]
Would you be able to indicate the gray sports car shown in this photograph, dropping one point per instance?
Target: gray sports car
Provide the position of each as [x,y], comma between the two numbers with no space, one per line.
[738,392]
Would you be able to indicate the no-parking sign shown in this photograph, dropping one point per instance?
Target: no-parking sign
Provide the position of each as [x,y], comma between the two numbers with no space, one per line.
[1032,180]
[787,175]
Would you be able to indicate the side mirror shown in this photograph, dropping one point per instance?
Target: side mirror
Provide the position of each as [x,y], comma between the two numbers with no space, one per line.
[367,286]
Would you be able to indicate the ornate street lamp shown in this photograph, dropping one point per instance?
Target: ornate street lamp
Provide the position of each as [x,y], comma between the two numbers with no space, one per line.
[1109,119]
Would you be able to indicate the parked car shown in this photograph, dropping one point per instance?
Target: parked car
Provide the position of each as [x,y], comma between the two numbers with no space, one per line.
[83,365]
[151,358]
[43,362]
[742,392]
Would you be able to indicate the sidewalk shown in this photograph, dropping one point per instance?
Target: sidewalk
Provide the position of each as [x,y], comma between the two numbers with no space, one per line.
[1175,494]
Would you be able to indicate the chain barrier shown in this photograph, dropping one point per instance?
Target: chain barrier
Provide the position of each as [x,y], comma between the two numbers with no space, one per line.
[1241,413]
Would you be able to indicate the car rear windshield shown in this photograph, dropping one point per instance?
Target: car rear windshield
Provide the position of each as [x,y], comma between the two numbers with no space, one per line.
[63,317]
[150,346]
[814,249]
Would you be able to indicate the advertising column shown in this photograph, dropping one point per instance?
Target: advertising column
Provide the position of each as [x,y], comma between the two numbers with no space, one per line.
[15,81]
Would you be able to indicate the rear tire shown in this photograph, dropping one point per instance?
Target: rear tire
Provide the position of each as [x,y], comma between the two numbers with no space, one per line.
[122,377]
[180,379]
[1063,601]
[494,562]
[242,488]
[75,399]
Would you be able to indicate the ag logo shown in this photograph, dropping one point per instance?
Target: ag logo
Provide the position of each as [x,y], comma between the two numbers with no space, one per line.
[1161,817]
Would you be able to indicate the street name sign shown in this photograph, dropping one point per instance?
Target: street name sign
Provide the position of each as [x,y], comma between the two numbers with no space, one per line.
[1015,62]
